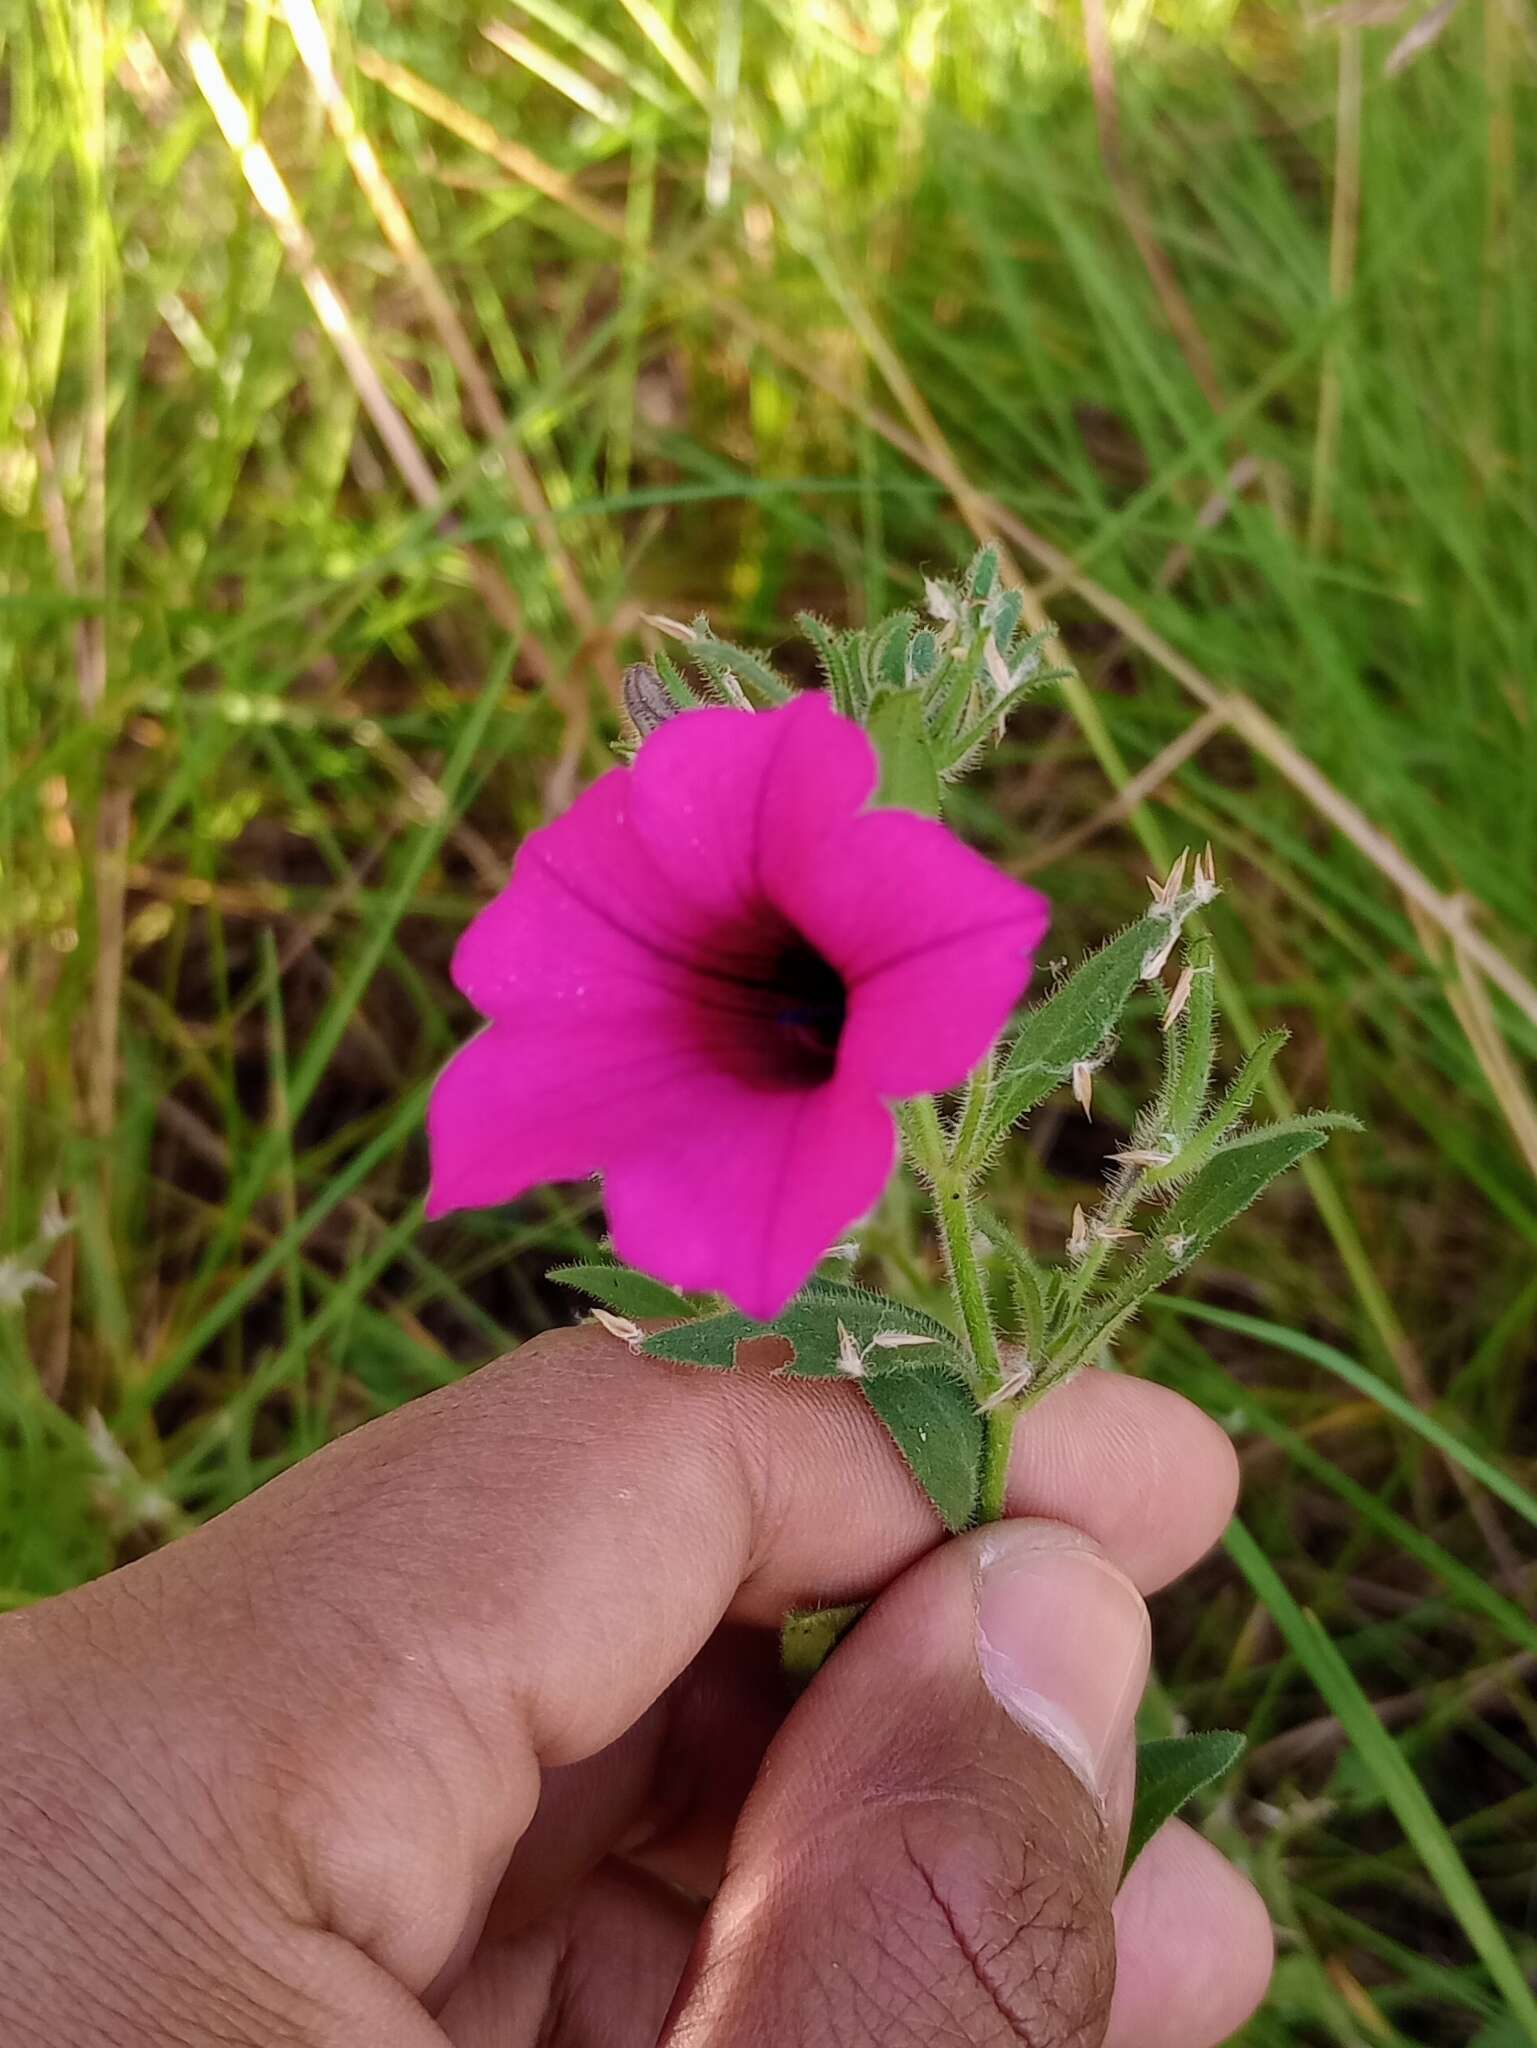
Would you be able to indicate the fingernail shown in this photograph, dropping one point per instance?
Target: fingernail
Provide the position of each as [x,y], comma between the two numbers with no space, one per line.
[1063,1643]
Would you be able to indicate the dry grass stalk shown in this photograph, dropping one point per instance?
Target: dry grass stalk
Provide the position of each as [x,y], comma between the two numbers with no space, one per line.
[1470,1005]
[315,54]
[272,196]
[1177,311]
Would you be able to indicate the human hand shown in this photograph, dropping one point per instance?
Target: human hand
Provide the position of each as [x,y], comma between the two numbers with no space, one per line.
[439,1737]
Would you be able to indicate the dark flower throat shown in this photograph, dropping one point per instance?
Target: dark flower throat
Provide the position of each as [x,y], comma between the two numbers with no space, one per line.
[807,1010]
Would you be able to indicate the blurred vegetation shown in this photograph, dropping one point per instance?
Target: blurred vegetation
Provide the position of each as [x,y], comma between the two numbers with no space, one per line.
[334,487]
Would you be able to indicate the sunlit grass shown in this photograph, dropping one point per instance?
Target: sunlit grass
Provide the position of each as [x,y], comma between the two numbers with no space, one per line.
[750,314]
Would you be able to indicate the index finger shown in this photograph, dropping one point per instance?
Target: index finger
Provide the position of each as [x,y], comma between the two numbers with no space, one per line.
[567,1528]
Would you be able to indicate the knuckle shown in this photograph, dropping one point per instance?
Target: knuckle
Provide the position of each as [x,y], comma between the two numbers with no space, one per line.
[945,1922]
[1022,1934]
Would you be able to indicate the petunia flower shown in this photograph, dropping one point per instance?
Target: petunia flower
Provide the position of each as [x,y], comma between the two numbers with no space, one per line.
[708,981]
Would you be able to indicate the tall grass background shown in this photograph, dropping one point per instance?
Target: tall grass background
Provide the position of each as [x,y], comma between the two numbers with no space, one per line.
[367,376]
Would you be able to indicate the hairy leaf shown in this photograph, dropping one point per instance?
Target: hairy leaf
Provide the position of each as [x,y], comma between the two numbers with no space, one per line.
[840,669]
[909,778]
[809,1637]
[934,1423]
[885,650]
[623,1289]
[814,1325]
[1002,616]
[1035,1287]
[922,656]
[1191,1044]
[717,657]
[1170,1773]
[982,572]
[872,1311]
[1231,1179]
[708,1341]
[1071,1025]
[1227,1115]
[966,741]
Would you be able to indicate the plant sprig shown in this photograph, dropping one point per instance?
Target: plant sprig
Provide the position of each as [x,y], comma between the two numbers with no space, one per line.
[932,691]
[961,670]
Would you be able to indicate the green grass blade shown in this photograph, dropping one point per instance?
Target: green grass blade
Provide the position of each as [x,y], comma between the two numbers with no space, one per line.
[1503,1487]
[1382,1758]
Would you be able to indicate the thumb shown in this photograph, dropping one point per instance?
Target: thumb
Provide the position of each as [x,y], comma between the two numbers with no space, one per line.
[932,1848]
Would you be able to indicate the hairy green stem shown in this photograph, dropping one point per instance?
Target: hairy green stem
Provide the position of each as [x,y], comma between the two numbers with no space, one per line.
[973,1107]
[952,1211]
[997,1445]
[957,1228]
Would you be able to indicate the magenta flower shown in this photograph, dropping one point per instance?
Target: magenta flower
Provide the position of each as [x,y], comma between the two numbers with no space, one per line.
[707,981]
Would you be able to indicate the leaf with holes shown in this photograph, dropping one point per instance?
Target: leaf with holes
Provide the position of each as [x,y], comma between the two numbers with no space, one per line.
[813,1326]
[708,1341]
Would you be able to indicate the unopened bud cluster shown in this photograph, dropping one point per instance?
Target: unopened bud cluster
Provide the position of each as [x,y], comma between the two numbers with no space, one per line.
[966,663]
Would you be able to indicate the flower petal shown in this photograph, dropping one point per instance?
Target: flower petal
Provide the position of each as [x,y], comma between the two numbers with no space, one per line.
[624,969]
[493,1132]
[522,1103]
[715,791]
[710,1183]
[587,924]
[935,945]
[744,1190]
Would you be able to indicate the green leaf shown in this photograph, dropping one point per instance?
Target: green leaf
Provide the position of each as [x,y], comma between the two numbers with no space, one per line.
[717,657]
[839,671]
[922,657]
[1002,616]
[1072,1024]
[708,1341]
[909,778]
[983,571]
[1034,1286]
[622,1289]
[951,695]
[1243,1088]
[813,1326]
[865,1312]
[673,681]
[885,650]
[1235,1175]
[934,1423]
[1170,1773]
[1191,1044]
[997,713]
[918,1389]
[809,1637]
